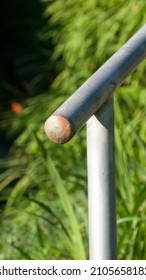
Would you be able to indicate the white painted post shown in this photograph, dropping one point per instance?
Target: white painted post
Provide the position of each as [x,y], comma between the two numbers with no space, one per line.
[101,184]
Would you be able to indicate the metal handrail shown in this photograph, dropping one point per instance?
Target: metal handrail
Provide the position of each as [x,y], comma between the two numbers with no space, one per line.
[94,101]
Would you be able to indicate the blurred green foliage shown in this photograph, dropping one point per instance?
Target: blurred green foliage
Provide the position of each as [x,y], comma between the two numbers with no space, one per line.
[43,185]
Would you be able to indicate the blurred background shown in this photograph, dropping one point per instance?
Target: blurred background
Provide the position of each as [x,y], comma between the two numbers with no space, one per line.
[48,48]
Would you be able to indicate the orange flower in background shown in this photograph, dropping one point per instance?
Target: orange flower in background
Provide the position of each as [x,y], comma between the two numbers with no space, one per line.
[16,107]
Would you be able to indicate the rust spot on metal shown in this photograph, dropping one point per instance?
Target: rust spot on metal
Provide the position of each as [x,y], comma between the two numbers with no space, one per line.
[58,129]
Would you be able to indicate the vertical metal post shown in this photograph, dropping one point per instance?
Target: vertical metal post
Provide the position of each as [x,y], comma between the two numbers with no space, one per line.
[101,184]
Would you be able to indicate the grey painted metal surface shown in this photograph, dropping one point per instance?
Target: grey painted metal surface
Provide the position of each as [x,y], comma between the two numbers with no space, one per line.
[93,102]
[89,98]
[101,184]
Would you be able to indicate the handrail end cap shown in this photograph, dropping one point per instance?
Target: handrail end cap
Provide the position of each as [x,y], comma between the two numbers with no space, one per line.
[58,129]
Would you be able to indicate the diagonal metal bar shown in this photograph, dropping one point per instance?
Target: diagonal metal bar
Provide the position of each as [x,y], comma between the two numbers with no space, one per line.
[90,97]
